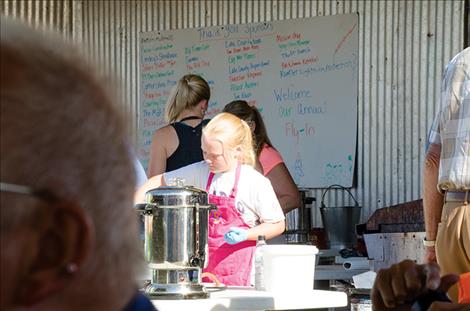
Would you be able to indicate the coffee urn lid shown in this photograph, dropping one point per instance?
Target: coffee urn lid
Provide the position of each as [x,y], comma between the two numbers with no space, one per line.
[177,196]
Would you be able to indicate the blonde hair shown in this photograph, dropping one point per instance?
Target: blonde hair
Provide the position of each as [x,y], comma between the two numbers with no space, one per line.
[248,113]
[232,132]
[188,93]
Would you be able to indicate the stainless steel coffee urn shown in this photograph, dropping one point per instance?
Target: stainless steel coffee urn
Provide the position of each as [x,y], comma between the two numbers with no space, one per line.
[298,221]
[176,228]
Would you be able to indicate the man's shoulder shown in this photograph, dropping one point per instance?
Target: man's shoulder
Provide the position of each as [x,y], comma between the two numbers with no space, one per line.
[460,59]
[196,167]
[465,53]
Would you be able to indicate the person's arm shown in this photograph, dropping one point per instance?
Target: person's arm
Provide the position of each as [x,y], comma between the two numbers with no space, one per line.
[195,174]
[158,152]
[152,183]
[140,176]
[432,199]
[286,190]
[269,230]
[396,288]
[271,219]
[266,207]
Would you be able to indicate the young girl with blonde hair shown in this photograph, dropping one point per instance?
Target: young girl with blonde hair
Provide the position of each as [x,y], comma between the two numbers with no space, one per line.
[246,203]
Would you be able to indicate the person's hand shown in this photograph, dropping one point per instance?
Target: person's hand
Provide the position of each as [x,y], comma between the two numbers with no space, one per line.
[235,235]
[430,255]
[396,288]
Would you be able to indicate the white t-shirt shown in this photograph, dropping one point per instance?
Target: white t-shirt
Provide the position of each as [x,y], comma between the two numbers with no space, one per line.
[140,176]
[255,199]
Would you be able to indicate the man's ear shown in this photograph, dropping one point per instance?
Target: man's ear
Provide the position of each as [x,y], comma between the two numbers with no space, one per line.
[64,241]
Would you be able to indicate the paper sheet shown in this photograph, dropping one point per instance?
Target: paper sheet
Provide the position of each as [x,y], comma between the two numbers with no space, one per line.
[364,280]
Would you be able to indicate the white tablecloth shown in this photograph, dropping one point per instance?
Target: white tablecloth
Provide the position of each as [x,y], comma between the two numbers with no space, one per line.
[249,299]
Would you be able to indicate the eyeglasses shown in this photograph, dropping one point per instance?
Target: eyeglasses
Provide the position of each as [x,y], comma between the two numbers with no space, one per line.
[42,194]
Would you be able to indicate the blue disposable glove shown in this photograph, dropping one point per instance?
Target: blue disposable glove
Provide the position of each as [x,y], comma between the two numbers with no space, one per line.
[236,235]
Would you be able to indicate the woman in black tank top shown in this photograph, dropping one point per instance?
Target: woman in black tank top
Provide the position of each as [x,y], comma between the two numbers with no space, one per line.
[189,147]
[179,143]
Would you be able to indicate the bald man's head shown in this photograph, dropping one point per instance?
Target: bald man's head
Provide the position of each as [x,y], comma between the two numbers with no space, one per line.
[61,132]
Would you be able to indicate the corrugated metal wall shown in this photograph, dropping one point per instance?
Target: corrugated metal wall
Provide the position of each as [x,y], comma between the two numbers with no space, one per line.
[43,14]
[404,46]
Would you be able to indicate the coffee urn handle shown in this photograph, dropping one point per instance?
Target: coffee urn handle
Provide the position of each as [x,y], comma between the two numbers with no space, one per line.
[195,260]
[144,208]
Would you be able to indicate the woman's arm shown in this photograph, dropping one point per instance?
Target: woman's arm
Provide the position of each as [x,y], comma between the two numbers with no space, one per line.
[152,183]
[164,143]
[286,190]
[258,166]
[269,230]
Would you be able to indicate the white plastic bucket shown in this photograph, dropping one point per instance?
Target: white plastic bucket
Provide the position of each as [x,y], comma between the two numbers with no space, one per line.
[289,268]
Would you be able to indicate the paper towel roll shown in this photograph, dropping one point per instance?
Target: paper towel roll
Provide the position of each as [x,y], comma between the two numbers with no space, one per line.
[356,264]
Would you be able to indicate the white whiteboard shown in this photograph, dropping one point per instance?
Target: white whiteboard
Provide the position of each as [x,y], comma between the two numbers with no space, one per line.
[301,74]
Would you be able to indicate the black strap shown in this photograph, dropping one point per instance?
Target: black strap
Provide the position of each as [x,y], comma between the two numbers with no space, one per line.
[189,118]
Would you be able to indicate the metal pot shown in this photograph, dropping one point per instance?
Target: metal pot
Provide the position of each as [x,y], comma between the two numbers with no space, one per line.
[176,227]
[340,222]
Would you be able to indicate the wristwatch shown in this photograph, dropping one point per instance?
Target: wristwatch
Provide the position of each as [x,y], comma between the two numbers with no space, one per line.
[429,243]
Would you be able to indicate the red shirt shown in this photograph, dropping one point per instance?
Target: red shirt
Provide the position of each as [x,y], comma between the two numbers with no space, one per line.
[269,158]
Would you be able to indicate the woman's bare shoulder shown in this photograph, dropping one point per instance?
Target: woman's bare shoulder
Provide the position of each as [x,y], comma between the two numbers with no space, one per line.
[166,131]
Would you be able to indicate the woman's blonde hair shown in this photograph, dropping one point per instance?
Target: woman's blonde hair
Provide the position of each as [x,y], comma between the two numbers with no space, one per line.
[232,132]
[189,92]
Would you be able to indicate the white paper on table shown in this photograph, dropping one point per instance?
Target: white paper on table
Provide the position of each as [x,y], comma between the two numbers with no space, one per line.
[364,280]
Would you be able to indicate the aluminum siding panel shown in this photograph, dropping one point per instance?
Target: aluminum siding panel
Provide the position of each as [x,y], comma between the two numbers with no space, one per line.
[403,48]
